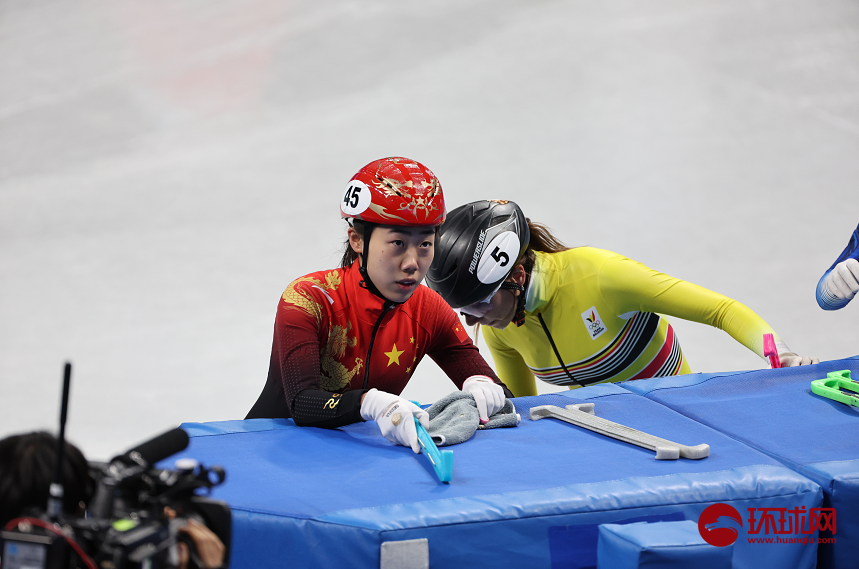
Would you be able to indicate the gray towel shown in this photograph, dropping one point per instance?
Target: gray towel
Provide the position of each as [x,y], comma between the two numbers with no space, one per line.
[454,418]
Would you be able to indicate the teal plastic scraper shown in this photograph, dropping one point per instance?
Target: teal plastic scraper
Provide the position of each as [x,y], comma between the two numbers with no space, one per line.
[442,461]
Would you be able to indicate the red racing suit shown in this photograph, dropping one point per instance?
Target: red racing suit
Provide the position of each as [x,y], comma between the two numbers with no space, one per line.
[334,340]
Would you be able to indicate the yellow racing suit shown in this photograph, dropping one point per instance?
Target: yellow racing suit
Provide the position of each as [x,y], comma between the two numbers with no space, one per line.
[605,314]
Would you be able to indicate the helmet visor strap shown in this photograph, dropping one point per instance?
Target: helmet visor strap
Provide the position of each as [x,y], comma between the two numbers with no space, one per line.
[480,308]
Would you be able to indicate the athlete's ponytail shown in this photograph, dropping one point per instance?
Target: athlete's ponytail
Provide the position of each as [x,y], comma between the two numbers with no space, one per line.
[543,240]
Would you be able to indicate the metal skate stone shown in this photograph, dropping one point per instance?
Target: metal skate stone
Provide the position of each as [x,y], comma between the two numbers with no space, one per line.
[582,415]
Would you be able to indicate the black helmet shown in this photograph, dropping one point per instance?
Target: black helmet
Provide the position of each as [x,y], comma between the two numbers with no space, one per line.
[476,250]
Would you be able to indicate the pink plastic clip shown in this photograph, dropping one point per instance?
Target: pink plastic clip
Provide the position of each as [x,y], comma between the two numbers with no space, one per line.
[770,352]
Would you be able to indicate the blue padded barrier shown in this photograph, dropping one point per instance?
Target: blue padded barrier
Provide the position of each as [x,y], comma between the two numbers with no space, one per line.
[663,545]
[530,496]
[775,412]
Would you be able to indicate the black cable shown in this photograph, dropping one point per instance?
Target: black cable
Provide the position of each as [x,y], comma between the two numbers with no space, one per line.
[55,499]
[557,353]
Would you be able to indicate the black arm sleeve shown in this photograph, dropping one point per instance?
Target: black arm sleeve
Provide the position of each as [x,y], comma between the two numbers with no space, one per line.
[317,408]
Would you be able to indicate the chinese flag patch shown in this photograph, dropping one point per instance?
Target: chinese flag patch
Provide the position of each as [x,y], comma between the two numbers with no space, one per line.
[459,330]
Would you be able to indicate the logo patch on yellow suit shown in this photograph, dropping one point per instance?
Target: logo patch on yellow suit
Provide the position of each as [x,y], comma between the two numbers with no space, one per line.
[593,322]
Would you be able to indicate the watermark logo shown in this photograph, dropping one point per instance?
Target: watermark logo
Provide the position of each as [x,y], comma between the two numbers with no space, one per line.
[719,524]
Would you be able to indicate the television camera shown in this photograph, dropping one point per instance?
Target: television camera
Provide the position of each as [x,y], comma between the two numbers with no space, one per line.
[135,516]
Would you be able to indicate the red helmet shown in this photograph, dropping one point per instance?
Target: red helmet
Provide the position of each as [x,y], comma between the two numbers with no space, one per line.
[394,191]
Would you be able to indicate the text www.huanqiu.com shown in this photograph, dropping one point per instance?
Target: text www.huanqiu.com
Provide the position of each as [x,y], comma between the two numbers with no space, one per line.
[808,540]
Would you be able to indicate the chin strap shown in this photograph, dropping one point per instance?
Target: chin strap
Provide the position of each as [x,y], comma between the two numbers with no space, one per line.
[366,282]
[519,315]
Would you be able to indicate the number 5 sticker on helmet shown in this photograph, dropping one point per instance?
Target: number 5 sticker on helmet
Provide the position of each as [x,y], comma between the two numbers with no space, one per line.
[495,262]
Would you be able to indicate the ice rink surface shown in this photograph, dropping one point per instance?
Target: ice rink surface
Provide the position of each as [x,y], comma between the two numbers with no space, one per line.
[168,167]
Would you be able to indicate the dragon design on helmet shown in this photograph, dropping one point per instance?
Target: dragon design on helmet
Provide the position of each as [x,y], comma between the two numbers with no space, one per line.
[414,199]
[400,191]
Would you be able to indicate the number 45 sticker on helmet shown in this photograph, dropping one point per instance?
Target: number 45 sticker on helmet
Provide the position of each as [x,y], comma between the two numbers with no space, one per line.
[357,198]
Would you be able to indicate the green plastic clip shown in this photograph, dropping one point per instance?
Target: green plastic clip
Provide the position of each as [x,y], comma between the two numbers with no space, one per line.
[834,385]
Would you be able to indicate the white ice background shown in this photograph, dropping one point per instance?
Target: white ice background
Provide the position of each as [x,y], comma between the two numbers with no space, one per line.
[168,167]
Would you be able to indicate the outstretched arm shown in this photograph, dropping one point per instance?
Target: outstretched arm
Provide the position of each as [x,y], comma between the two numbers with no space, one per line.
[651,291]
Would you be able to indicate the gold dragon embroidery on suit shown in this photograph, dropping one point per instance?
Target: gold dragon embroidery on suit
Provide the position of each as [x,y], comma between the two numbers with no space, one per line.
[302,299]
[334,375]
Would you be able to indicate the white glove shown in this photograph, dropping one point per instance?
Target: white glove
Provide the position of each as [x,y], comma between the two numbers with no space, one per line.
[789,359]
[488,395]
[843,281]
[395,417]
